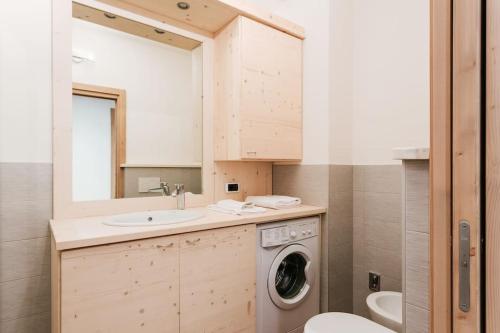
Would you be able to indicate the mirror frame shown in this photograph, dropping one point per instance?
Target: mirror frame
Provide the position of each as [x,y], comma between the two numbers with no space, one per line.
[64,206]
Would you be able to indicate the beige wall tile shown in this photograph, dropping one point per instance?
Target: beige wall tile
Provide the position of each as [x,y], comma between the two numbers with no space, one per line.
[340,230]
[309,182]
[417,196]
[417,269]
[358,175]
[24,297]
[39,323]
[386,206]
[25,258]
[417,319]
[190,177]
[341,204]
[25,182]
[358,204]
[383,233]
[382,179]
[24,219]
[341,178]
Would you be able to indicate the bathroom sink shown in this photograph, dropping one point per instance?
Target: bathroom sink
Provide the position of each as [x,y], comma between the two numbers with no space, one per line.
[153,218]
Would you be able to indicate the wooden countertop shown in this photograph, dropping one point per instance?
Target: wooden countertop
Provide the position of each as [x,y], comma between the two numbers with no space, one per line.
[84,232]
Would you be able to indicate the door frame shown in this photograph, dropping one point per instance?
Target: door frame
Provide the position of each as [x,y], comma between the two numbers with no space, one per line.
[118,130]
[455,160]
[440,207]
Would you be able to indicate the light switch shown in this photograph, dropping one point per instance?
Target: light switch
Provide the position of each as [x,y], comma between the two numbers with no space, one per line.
[147,183]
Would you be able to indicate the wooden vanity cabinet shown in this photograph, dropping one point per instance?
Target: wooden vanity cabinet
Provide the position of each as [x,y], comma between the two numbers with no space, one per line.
[218,276]
[124,287]
[258,93]
[194,282]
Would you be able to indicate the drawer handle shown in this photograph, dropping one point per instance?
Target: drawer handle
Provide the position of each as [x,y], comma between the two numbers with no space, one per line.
[251,153]
[193,242]
[164,246]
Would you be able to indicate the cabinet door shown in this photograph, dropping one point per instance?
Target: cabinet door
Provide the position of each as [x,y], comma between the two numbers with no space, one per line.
[218,275]
[271,93]
[125,287]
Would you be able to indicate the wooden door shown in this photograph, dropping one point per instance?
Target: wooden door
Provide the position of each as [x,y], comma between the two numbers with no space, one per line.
[271,93]
[466,163]
[492,220]
[218,276]
[126,287]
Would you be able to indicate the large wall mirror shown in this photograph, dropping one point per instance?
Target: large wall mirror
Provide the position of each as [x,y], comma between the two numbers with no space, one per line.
[136,108]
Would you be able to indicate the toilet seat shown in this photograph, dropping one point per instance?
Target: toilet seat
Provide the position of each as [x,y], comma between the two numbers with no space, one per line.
[338,322]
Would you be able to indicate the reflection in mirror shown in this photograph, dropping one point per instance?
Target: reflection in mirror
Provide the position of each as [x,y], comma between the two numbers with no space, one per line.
[137,108]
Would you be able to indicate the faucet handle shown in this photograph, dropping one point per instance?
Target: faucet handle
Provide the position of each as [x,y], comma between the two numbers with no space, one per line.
[179,187]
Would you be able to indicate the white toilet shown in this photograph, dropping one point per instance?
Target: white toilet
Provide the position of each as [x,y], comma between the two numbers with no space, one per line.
[385,309]
[339,322]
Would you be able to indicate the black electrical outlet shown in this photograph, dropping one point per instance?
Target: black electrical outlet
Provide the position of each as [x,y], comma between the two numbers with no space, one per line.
[374,281]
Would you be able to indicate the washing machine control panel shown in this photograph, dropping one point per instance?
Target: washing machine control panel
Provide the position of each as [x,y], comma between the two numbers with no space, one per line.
[288,233]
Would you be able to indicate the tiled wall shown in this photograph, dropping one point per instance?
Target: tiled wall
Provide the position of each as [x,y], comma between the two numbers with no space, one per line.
[328,186]
[340,239]
[311,183]
[416,240]
[190,177]
[377,243]
[25,210]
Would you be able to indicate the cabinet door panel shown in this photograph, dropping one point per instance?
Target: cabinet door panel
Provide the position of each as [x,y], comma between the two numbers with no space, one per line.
[218,272]
[271,93]
[125,287]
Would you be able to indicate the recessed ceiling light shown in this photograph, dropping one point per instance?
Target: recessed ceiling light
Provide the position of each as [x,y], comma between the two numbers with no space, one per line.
[159,31]
[110,16]
[183,5]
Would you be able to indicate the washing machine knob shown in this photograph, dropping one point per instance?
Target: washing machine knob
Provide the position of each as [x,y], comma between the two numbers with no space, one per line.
[293,234]
[304,233]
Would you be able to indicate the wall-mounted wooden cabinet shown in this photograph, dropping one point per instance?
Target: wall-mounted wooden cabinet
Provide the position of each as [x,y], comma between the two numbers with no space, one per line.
[194,282]
[258,93]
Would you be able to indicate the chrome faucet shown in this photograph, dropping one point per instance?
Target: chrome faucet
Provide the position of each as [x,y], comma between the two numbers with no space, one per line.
[163,187]
[180,194]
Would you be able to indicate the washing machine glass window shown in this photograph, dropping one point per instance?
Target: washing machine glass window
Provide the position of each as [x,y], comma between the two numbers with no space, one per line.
[291,277]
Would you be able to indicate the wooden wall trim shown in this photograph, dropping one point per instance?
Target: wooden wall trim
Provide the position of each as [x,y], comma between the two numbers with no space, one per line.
[492,167]
[466,162]
[440,168]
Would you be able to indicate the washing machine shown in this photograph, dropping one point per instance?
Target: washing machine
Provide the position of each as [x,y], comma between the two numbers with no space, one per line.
[287,275]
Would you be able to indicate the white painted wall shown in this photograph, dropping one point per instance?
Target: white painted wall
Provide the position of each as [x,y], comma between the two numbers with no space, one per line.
[25,81]
[163,118]
[341,82]
[380,79]
[391,78]
[92,148]
[314,16]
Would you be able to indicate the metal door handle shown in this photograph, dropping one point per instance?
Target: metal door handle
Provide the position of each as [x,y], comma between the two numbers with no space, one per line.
[464,266]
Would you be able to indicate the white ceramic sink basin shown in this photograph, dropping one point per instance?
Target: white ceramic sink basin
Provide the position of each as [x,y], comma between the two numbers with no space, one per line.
[153,218]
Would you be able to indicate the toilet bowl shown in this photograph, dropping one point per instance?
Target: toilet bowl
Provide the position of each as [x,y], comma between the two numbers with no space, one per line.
[386,308]
[338,322]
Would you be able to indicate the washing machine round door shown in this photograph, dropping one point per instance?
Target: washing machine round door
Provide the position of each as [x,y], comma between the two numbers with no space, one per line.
[291,277]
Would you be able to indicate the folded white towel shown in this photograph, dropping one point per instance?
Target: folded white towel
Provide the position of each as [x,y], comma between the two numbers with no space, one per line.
[236,207]
[274,201]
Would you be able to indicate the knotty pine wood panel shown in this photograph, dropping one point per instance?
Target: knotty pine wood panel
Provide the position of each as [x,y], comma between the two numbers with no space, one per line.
[466,153]
[124,287]
[493,169]
[218,277]
[271,93]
